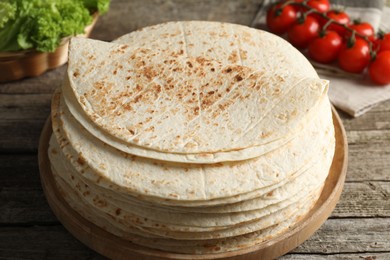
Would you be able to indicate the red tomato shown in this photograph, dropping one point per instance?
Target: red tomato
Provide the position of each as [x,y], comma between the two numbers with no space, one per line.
[301,34]
[365,29]
[320,5]
[379,69]
[340,17]
[280,20]
[356,58]
[384,43]
[326,48]
[297,7]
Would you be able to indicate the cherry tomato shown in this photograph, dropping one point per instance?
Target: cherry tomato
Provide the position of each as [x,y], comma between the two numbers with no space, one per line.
[301,34]
[340,17]
[379,69]
[320,5]
[280,20]
[384,43]
[365,29]
[297,7]
[355,58]
[326,48]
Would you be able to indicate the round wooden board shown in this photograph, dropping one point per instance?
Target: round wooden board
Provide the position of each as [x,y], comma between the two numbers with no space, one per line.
[115,247]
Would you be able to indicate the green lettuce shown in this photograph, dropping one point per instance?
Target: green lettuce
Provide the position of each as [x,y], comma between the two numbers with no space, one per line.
[41,24]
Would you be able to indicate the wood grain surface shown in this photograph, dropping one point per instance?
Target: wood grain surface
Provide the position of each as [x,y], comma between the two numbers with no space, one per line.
[357,229]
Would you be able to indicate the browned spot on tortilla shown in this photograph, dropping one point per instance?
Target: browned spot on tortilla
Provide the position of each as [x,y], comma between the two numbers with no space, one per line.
[149,73]
[76,74]
[201,60]
[208,246]
[99,202]
[243,54]
[99,85]
[294,112]
[265,134]
[238,77]
[131,131]
[196,111]
[233,57]
[228,70]
[173,195]
[118,211]
[81,160]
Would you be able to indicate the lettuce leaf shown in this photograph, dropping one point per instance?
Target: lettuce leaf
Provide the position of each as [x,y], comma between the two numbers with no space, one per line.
[41,24]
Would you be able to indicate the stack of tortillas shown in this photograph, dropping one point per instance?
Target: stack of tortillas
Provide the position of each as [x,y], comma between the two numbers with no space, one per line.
[191,137]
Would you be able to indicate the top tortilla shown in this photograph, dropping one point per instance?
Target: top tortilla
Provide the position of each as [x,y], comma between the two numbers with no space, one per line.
[217,88]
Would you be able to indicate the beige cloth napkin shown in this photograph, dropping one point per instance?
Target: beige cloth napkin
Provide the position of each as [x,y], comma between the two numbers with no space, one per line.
[354,94]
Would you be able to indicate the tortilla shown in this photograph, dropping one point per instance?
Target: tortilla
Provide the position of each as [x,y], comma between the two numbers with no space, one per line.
[191,137]
[184,183]
[182,246]
[158,218]
[251,152]
[184,104]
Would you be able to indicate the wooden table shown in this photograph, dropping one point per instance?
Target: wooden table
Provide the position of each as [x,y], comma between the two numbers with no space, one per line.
[358,228]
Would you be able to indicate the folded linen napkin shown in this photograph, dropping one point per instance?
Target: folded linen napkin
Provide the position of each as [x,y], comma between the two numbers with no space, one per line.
[352,93]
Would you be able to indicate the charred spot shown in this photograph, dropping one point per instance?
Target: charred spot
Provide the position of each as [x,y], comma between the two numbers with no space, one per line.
[189,64]
[127,107]
[228,70]
[138,98]
[81,160]
[118,211]
[196,110]
[76,74]
[200,60]
[149,73]
[212,69]
[238,77]
[138,87]
[99,85]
